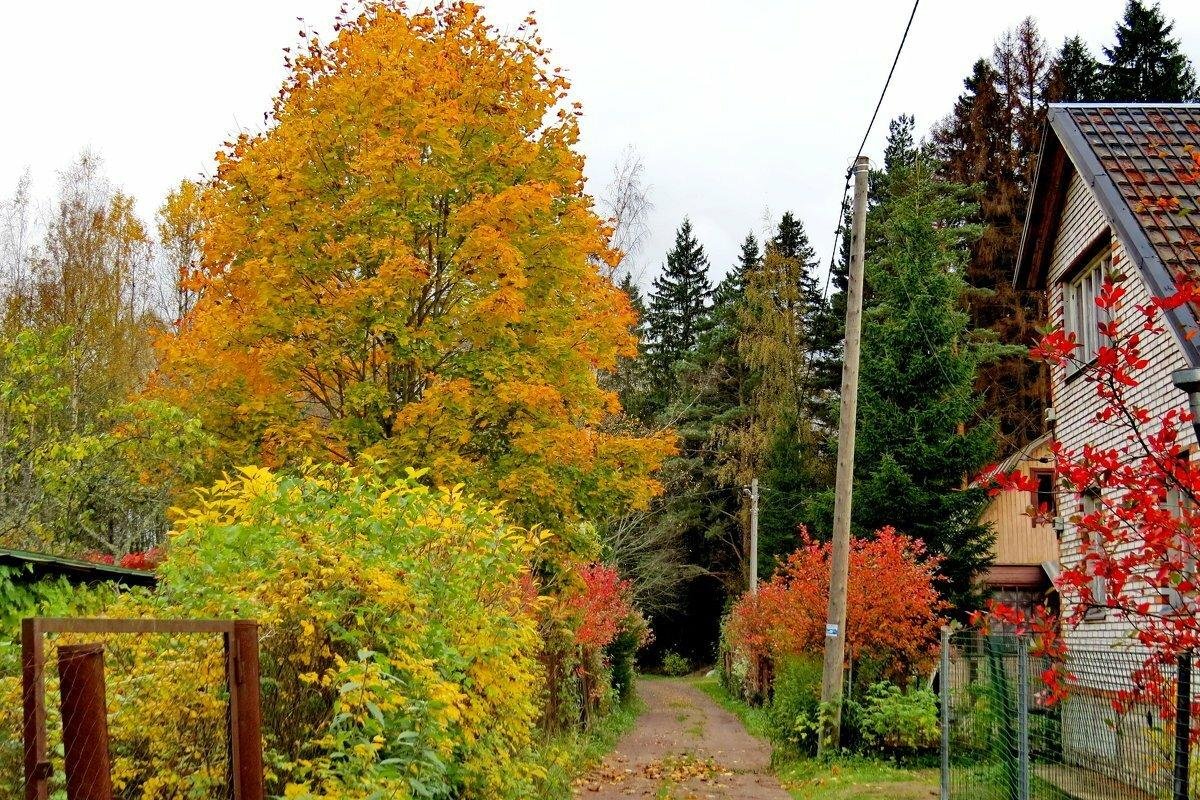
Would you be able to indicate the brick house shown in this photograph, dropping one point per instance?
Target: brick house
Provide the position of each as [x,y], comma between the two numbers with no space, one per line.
[1092,209]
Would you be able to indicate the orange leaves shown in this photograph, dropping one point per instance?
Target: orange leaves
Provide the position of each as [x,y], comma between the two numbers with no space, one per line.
[404,265]
[894,606]
[1153,204]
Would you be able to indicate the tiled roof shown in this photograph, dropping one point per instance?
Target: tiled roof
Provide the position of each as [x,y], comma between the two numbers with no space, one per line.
[1142,162]
[1152,154]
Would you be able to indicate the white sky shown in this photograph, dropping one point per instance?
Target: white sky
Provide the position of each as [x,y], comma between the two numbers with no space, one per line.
[735,107]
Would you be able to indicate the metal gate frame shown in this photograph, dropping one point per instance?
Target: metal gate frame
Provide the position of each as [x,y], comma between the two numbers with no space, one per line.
[240,639]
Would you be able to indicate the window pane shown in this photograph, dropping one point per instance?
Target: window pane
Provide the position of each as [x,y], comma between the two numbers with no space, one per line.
[1045,491]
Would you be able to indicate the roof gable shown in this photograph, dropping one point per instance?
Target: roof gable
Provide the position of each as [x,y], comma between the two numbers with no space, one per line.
[1142,163]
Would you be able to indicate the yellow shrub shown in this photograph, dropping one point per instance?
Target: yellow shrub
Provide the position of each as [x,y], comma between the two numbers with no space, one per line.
[398,648]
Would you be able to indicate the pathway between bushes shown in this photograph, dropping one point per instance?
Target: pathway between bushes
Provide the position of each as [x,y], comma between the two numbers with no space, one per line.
[684,747]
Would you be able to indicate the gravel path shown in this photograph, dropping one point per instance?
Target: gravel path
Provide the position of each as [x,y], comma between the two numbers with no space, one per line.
[684,747]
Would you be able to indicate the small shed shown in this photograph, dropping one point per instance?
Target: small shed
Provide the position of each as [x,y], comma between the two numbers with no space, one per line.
[33,567]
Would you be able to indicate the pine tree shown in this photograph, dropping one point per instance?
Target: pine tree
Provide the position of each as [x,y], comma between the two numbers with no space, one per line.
[677,312]
[678,301]
[1146,64]
[919,438]
[1075,74]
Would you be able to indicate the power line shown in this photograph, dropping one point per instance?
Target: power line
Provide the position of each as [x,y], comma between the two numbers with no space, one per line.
[837,233]
[888,82]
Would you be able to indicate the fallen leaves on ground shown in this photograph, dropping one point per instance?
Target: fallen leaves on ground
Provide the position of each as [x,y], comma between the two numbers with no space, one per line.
[669,771]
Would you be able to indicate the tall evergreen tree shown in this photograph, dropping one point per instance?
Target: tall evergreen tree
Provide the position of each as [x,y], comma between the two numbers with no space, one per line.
[1021,65]
[791,242]
[919,435]
[703,505]
[783,302]
[1075,74]
[983,144]
[1146,63]
[678,308]
[731,288]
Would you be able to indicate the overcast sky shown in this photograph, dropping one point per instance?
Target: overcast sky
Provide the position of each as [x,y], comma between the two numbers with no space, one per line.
[735,107]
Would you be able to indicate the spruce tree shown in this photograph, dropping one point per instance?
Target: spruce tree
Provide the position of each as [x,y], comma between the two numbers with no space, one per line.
[1075,74]
[731,288]
[1021,65]
[979,146]
[703,503]
[1146,64]
[678,309]
[791,242]
[919,436]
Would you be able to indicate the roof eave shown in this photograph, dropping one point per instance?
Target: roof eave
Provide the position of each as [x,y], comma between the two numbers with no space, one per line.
[1049,156]
[1124,225]
[84,571]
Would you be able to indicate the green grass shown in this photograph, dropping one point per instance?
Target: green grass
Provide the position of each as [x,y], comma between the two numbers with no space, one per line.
[566,756]
[845,778]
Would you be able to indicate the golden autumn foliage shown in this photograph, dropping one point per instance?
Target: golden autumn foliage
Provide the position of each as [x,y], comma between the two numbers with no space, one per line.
[404,266]
[398,634]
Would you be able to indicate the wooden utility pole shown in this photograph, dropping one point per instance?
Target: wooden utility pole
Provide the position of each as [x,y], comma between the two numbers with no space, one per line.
[835,624]
[754,536]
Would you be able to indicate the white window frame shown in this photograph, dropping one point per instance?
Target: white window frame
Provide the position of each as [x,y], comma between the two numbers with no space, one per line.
[1081,315]
[1089,503]
[1173,600]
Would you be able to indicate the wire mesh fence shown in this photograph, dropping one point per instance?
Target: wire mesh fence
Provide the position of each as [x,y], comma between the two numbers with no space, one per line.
[1004,738]
[122,713]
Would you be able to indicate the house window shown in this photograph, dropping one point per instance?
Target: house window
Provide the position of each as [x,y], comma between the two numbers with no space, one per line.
[1043,495]
[1091,504]
[1181,554]
[1080,314]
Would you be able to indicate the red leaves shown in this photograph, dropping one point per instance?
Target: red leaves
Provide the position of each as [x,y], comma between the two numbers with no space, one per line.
[145,559]
[1056,347]
[1131,498]
[603,606]
[894,607]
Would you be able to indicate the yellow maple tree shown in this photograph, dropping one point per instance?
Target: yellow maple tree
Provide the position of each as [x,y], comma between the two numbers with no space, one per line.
[404,265]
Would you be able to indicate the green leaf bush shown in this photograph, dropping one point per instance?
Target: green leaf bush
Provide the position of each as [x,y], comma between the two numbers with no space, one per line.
[794,710]
[898,721]
[675,665]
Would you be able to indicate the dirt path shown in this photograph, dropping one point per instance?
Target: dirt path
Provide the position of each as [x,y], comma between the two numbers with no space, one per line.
[684,747]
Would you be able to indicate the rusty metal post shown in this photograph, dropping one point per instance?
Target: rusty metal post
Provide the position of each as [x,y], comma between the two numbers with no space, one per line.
[85,722]
[37,767]
[246,713]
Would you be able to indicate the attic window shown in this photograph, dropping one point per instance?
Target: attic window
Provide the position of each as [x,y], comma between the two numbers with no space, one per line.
[1043,496]
[1080,313]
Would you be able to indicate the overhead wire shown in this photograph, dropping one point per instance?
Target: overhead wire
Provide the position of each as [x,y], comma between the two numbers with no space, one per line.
[839,229]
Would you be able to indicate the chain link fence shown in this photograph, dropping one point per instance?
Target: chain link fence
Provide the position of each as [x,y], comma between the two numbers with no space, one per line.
[1003,738]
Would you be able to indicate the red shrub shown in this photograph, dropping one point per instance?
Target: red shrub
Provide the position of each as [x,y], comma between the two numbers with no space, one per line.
[145,559]
[603,607]
[894,607]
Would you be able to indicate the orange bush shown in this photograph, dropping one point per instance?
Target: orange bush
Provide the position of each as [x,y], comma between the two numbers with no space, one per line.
[894,606]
